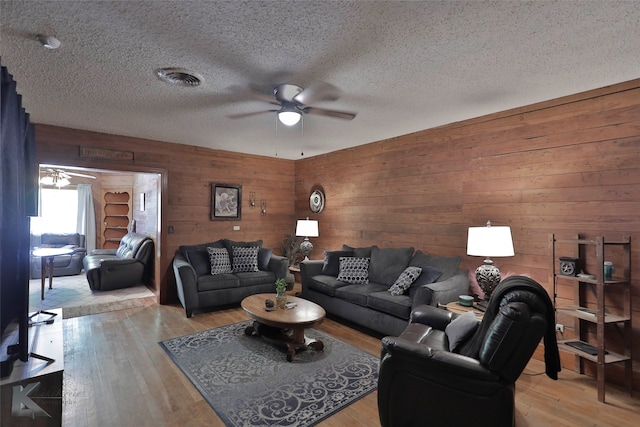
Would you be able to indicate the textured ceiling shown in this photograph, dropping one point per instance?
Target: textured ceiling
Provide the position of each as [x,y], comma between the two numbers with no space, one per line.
[402,66]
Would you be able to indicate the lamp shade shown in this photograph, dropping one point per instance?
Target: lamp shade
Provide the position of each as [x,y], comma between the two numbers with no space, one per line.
[490,241]
[307,228]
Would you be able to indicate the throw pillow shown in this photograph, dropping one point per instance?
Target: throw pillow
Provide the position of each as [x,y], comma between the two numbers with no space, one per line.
[387,264]
[244,259]
[264,256]
[354,270]
[448,265]
[461,329]
[428,275]
[331,266]
[219,259]
[229,244]
[406,278]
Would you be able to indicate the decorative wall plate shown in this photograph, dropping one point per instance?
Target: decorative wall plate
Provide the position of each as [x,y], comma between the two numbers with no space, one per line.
[316,201]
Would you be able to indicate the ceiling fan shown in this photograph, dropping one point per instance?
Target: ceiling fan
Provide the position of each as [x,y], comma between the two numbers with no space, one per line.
[294,101]
[60,178]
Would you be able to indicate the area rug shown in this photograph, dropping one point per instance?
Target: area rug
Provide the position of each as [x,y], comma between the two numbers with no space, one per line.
[86,310]
[248,382]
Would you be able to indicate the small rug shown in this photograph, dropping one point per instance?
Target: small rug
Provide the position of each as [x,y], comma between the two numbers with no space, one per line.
[86,310]
[248,382]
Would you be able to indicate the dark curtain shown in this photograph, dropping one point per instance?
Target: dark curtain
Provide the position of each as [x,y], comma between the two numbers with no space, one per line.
[18,201]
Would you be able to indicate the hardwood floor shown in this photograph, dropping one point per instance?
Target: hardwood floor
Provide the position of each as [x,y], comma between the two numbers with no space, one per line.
[116,374]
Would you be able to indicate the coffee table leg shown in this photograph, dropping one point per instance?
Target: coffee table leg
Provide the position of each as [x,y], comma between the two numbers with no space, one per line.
[43,273]
[50,273]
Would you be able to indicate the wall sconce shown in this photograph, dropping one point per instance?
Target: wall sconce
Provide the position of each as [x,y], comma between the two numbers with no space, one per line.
[252,199]
[263,207]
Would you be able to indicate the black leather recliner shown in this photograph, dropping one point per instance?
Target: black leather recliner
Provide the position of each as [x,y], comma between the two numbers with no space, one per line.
[129,265]
[422,382]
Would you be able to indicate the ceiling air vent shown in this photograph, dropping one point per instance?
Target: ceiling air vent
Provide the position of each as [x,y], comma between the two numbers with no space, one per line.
[179,76]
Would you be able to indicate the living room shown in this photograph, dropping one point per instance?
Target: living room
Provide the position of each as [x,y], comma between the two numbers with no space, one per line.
[567,166]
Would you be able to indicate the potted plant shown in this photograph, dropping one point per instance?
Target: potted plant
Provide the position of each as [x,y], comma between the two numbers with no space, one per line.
[281,297]
[291,249]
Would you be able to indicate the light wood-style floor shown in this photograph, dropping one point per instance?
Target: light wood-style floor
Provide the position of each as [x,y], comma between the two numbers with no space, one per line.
[116,374]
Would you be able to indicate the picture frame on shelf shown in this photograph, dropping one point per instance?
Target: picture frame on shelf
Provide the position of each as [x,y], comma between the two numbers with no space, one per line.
[226,201]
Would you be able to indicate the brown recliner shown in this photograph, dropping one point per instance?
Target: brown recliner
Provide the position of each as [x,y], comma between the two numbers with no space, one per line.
[422,382]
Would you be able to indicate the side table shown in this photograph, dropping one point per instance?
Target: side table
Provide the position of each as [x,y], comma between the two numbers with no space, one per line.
[458,308]
[46,257]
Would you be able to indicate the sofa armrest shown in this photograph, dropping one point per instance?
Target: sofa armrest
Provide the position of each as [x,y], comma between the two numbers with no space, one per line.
[279,265]
[442,292]
[186,283]
[308,269]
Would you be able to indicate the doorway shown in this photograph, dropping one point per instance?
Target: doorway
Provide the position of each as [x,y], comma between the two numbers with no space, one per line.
[144,210]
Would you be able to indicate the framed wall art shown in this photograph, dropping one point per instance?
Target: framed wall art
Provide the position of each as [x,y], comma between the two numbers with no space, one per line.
[226,201]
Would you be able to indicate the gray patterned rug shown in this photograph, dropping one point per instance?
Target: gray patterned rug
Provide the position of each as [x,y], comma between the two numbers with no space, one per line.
[249,382]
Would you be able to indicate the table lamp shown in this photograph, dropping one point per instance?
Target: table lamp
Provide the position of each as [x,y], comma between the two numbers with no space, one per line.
[489,242]
[307,228]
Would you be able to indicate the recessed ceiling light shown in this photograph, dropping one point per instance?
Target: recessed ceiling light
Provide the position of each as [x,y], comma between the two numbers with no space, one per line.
[179,76]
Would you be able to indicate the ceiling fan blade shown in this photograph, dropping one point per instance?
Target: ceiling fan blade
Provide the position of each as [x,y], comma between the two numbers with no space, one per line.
[253,94]
[243,115]
[330,113]
[320,91]
[81,175]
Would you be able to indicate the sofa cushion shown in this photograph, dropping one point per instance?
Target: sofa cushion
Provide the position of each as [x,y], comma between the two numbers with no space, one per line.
[264,256]
[198,256]
[325,284]
[406,278]
[449,266]
[387,264]
[460,329]
[383,301]
[359,252]
[331,266]
[252,278]
[219,281]
[229,244]
[219,260]
[358,293]
[354,270]
[244,259]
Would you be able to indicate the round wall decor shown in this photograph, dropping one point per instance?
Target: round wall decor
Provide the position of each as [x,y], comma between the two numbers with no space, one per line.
[316,201]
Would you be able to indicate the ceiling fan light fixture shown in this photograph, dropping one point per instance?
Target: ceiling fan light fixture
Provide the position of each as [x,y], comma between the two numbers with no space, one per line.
[289,118]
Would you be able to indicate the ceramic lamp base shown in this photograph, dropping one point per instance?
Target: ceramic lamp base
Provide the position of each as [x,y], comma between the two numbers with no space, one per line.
[488,277]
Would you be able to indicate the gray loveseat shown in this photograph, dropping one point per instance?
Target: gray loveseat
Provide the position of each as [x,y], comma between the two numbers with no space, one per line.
[63,265]
[225,272]
[368,302]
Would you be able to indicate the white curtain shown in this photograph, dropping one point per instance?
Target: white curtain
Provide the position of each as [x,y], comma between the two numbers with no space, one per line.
[86,216]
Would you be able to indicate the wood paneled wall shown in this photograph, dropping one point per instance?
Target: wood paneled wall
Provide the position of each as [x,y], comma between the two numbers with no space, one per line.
[187,173]
[565,166]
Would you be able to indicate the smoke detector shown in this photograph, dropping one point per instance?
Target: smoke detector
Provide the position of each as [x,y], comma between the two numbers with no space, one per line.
[49,42]
[179,76]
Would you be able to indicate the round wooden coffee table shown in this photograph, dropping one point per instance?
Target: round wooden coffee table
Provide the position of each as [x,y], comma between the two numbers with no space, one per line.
[284,326]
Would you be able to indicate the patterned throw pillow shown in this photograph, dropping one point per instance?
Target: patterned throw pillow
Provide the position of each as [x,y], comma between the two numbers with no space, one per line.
[219,259]
[244,259]
[406,278]
[354,270]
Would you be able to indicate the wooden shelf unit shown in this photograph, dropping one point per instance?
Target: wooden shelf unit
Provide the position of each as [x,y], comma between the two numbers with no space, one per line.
[600,315]
[116,208]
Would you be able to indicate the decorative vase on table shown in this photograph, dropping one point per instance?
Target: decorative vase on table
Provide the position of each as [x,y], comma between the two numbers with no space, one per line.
[281,297]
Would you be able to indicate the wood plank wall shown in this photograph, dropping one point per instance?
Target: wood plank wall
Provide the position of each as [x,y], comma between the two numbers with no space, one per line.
[187,173]
[565,166]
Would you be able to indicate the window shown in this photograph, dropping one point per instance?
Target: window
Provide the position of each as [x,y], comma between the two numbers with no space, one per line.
[58,211]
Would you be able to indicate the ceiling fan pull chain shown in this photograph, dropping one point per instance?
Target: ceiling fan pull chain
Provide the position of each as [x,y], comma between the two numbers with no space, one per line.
[302,128]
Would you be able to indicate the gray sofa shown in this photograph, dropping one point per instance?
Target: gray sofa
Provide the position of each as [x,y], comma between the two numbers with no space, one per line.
[63,265]
[226,274]
[129,265]
[372,305]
